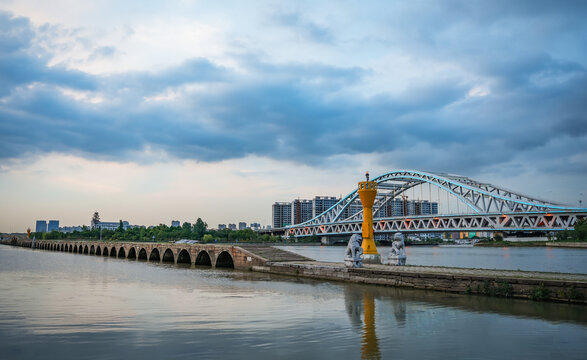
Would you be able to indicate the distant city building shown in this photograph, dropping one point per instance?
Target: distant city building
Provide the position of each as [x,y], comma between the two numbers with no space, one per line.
[53,225]
[70,229]
[41,226]
[256,226]
[352,209]
[232,226]
[221,226]
[405,207]
[113,225]
[268,227]
[175,223]
[281,214]
[301,211]
[322,203]
[242,225]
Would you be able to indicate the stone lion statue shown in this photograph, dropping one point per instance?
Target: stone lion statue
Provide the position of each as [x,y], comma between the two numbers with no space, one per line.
[397,255]
[353,256]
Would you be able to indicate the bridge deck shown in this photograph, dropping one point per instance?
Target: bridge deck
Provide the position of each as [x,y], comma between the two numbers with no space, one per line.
[273,254]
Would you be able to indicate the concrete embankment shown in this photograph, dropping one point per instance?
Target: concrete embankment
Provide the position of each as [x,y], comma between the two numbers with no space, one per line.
[579,245]
[517,284]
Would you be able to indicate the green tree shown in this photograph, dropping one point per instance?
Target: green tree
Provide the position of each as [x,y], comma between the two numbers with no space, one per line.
[186,230]
[199,229]
[208,238]
[581,230]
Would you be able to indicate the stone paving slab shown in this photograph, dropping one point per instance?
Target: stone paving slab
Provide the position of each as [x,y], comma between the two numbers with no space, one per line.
[274,254]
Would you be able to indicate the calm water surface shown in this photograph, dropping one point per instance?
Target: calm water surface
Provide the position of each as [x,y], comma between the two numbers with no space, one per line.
[514,258]
[68,306]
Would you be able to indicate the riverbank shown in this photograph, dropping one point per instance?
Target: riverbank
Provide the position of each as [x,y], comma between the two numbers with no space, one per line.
[566,244]
[533,285]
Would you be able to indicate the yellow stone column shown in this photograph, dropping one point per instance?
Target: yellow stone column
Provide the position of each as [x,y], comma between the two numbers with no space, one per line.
[367,193]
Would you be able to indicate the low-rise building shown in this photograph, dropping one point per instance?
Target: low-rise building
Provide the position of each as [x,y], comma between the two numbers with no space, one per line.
[112,225]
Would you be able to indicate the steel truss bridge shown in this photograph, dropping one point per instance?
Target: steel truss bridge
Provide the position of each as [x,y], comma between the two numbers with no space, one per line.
[489,208]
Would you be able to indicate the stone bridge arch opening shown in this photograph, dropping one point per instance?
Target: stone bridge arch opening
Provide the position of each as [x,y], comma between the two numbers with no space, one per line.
[224,260]
[142,254]
[113,252]
[62,247]
[132,253]
[86,250]
[98,251]
[184,257]
[203,259]
[80,249]
[75,249]
[92,250]
[105,253]
[154,256]
[168,256]
[121,253]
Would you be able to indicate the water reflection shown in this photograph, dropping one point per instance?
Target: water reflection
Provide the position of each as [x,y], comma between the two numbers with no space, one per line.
[358,304]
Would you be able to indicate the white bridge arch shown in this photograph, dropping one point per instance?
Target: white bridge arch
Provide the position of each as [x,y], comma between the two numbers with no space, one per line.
[490,208]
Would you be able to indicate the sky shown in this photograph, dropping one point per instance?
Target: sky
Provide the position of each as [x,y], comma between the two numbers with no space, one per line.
[149,111]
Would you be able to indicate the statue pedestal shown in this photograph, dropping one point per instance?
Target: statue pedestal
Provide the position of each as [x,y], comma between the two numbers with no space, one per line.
[372,258]
[353,263]
[395,260]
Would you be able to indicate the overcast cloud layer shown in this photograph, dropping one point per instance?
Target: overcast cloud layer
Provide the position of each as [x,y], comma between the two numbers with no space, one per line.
[510,85]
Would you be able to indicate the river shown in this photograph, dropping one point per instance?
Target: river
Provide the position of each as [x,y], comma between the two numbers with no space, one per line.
[566,260]
[69,306]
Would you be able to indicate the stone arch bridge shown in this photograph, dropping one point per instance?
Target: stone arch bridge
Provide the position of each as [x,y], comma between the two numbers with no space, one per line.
[212,255]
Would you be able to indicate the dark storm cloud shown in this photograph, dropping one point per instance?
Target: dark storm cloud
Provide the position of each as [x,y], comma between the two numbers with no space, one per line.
[530,102]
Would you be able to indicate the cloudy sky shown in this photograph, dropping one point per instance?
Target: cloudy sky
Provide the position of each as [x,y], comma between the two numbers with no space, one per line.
[150,111]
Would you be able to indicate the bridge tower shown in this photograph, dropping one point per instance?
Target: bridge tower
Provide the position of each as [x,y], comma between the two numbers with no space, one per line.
[367,192]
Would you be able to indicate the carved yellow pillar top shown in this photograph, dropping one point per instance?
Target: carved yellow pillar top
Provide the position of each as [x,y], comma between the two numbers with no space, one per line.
[367,193]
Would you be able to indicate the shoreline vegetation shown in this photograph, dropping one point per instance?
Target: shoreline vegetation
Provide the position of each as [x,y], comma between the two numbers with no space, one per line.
[199,231]
[570,244]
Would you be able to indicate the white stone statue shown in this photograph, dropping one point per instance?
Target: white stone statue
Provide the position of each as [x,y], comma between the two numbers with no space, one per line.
[354,252]
[397,255]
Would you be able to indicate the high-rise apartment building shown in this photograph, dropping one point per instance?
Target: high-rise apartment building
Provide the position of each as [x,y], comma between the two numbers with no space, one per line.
[301,211]
[174,223]
[322,203]
[41,226]
[53,225]
[242,225]
[232,226]
[281,213]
